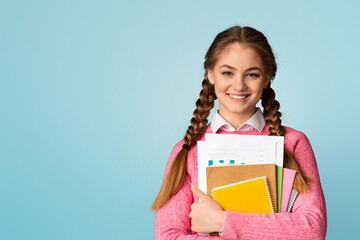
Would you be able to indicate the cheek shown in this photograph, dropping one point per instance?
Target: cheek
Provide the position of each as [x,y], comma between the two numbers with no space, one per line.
[258,86]
[220,90]
[221,84]
[259,93]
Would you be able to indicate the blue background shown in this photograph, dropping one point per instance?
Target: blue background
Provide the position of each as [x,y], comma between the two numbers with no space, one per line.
[94,95]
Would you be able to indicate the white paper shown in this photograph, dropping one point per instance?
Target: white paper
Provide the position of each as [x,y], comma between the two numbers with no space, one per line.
[242,149]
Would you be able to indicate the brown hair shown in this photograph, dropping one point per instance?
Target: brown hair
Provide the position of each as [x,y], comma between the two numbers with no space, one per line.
[250,37]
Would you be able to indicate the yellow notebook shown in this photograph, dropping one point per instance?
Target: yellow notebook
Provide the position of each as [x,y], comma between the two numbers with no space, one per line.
[250,196]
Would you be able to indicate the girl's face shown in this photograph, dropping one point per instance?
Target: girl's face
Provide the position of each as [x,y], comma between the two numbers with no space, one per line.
[239,79]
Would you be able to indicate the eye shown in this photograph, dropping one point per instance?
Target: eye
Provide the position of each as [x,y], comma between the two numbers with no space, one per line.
[252,75]
[227,73]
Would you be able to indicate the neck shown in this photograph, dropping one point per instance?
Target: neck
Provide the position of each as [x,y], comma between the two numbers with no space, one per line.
[236,120]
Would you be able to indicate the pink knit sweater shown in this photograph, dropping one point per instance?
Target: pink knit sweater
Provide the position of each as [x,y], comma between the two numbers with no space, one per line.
[307,221]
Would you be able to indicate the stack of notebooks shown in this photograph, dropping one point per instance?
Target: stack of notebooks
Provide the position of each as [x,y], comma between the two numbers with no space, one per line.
[249,188]
[244,173]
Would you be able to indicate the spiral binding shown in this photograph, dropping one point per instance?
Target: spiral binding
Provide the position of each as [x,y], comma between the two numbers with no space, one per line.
[269,194]
[291,204]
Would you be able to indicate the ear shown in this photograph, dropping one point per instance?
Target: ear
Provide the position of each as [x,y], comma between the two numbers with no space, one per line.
[210,75]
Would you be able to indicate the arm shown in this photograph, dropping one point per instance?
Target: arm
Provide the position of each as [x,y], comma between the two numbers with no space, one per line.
[172,221]
[308,219]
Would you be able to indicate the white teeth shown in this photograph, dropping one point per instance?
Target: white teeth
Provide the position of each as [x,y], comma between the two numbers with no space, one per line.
[237,97]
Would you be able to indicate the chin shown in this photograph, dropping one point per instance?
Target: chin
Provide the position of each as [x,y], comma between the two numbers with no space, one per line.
[239,111]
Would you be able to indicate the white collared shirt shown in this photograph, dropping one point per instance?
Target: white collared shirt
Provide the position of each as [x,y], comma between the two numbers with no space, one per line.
[257,121]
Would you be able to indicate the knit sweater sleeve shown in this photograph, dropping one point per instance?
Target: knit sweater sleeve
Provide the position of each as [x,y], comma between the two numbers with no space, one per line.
[172,221]
[308,219]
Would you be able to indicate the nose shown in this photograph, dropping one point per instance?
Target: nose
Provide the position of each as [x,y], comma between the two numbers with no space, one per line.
[239,84]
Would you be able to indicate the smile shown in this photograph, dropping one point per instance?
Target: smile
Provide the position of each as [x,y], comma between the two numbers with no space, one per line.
[238,97]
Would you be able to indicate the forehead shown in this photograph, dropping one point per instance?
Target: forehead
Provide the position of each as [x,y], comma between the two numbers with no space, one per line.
[239,56]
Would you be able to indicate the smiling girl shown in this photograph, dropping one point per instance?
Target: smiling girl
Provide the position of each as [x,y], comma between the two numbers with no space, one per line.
[239,67]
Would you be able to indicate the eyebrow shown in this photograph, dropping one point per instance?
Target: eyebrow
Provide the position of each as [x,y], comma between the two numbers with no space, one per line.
[246,70]
[228,66]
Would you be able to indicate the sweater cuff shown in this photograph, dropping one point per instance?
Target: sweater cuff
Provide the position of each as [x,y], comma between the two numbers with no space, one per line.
[232,225]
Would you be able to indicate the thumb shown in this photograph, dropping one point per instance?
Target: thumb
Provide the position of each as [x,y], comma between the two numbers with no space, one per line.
[199,193]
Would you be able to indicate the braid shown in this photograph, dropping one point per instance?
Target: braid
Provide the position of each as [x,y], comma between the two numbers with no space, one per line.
[271,112]
[273,121]
[203,106]
[175,178]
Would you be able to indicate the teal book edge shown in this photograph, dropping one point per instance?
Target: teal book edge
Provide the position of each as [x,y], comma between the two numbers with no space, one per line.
[279,178]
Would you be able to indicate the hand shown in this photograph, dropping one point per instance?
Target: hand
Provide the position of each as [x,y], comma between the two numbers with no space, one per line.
[206,216]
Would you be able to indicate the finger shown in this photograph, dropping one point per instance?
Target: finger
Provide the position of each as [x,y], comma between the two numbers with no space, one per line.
[200,194]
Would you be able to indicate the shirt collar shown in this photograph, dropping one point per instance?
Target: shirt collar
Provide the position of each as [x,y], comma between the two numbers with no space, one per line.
[257,121]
